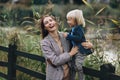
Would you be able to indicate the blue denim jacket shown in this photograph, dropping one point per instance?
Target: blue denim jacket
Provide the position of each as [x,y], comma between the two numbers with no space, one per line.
[76,36]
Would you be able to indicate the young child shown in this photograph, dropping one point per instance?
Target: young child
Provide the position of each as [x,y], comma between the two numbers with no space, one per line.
[76,36]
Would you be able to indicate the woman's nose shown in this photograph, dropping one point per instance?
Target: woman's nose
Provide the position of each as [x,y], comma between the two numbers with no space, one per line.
[50,23]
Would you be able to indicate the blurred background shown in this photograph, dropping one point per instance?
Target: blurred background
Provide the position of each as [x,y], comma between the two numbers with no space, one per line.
[19,24]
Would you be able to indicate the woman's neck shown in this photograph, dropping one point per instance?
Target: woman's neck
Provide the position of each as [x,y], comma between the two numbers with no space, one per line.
[55,35]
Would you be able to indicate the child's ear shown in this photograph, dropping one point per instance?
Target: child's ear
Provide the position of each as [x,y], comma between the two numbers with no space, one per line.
[76,21]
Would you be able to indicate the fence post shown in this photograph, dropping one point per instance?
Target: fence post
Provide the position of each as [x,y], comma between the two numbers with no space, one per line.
[105,69]
[12,62]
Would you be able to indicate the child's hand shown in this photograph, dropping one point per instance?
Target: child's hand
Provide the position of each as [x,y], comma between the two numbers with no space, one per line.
[65,34]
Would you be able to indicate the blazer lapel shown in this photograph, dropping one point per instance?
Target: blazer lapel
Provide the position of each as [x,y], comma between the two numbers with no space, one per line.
[63,42]
[54,45]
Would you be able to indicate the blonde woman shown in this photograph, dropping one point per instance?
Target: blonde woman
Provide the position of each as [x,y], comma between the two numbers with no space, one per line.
[76,21]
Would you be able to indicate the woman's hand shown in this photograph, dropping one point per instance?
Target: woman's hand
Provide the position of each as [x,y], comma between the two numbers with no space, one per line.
[73,51]
[87,44]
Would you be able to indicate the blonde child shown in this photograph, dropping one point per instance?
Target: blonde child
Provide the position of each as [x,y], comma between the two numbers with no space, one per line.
[76,36]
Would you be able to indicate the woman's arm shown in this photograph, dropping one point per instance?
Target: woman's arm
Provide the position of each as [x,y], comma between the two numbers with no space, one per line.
[50,54]
[87,45]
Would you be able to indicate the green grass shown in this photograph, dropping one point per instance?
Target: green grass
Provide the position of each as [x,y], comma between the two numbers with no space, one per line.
[26,42]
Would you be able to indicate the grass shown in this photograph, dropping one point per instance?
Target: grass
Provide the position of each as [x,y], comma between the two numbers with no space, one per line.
[26,42]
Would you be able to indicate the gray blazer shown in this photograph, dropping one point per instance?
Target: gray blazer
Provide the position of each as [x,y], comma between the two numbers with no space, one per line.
[52,52]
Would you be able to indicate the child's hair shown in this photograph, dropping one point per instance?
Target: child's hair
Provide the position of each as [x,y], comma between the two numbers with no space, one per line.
[78,15]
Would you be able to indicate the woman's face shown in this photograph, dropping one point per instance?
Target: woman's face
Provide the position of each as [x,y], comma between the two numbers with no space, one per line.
[50,24]
[71,21]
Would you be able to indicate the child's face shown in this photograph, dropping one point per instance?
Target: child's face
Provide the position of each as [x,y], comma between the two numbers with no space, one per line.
[71,21]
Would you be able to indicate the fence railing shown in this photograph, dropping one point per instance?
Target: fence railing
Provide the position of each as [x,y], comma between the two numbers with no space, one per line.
[106,71]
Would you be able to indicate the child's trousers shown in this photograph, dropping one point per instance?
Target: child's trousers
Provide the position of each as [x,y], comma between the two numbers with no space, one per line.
[78,60]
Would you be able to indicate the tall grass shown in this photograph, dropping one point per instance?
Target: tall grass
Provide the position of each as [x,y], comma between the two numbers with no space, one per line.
[26,42]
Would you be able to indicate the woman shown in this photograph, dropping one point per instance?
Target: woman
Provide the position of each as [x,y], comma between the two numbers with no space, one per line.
[56,50]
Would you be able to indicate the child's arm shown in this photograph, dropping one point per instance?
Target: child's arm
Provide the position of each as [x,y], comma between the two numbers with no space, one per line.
[77,37]
[65,34]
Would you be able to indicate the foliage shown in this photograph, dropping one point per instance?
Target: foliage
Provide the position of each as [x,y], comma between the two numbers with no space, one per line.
[99,56]
[114,3]
[27,42]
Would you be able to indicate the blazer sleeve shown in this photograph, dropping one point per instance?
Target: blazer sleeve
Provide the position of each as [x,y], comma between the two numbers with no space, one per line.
[50,54]
[77,37]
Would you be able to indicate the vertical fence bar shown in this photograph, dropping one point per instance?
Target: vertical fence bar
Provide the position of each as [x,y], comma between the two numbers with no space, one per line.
[12,62]
[106,69]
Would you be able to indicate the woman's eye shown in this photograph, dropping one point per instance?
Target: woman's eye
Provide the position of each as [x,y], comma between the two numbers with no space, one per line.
[50,20]
[45,22]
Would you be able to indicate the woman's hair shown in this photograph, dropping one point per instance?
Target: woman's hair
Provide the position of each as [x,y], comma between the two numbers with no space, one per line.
[78,15]
[44,32]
